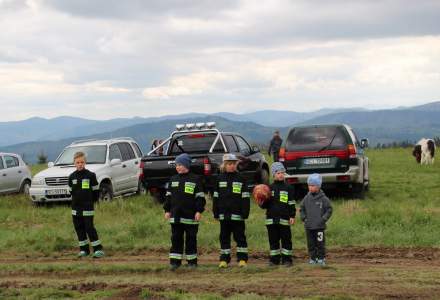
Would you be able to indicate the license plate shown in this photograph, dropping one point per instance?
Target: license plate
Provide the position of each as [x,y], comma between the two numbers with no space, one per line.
[57,192]
[317,161]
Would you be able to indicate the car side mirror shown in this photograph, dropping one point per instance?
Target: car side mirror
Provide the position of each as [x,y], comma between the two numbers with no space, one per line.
[115,162]
[50,164]
[255,149]
[364,143]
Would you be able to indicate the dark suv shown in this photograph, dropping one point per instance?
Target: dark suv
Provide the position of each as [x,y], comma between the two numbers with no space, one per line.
[334,151]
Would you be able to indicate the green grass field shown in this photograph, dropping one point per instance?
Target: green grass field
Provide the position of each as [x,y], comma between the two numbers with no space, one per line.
[402,209]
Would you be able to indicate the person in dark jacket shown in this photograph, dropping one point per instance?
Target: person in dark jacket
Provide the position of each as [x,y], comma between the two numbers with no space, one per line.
[316,210]
[280,214]
[275,146]
[184,205]
[231,201]
[84,189]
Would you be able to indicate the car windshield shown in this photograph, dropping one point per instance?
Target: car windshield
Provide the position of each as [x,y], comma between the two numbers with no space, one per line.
[316,139]
[94,155]
[195,143]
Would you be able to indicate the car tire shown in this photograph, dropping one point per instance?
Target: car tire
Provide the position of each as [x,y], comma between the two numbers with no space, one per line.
[25,186]
[105,192]
[158,195]
[359,190]
[141,191]
[264,176]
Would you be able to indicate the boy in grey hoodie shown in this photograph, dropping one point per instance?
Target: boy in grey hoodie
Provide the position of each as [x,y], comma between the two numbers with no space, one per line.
[315,211]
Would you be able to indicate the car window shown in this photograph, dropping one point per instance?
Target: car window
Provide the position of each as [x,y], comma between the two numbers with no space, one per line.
[11,161]
[126,151]
[1,163]
[242,145]
[195,143]
[137,149]
[232,145]
[94,154]
[316,139]
[114,152]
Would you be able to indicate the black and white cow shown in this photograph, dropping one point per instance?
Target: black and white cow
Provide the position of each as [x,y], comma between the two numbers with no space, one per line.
[424,151]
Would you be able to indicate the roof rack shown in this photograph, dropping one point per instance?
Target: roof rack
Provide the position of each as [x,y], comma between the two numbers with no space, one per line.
[123,138]
[83,141]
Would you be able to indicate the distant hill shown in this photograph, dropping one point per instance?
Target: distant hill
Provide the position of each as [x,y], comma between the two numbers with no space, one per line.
[144,134]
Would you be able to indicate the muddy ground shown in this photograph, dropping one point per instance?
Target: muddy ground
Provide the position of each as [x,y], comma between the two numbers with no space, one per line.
[352,273]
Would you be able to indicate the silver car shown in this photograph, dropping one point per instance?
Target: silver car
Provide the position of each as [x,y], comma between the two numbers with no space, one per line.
[15,175]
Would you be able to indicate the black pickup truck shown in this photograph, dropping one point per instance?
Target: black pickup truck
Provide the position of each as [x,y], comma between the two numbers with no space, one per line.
[206,145]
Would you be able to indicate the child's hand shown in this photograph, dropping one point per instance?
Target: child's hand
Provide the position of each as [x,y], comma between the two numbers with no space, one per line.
[198,216]
[167,215]
[292,221]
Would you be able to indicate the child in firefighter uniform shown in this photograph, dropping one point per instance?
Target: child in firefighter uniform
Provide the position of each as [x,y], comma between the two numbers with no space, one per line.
[316,210]
[280,214]
[84,189]
[231,206]
[184,204]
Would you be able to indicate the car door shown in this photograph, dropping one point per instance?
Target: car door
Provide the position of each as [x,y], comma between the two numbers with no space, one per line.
[117,171]
[249,161]
[130,166]
[11,173]
[2,174]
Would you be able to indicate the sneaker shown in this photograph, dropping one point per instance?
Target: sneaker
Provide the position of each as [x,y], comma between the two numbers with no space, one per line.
[82,254]
[242,263]
[98,254]
[312,262]
[321,262]
[223,265]
[174,267]
[287,264]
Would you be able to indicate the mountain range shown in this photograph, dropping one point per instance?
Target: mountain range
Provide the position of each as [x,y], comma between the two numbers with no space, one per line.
[33,136]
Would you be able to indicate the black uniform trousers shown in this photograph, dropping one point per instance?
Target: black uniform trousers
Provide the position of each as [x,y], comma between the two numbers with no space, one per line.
[84,228]
[183,236]
[237,229]
[277,233]
[316,243]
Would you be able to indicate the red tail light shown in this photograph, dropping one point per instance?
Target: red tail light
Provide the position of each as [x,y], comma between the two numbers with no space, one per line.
[343,178]
[141,174]
[282,155]
[351,151]
[206,166]
[292,180]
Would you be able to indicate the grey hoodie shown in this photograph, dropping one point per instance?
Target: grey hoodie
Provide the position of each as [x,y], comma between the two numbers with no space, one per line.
[316,209]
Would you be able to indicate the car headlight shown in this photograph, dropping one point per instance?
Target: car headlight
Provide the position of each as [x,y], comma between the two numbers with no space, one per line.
[38,181]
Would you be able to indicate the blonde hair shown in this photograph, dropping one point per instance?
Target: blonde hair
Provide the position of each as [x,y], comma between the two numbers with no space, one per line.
[79,155]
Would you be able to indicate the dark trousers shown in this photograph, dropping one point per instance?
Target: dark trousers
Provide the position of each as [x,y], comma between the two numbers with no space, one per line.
[277,233]
[316,243]
[84,228]
[237,229]
[276,155]
[183,236]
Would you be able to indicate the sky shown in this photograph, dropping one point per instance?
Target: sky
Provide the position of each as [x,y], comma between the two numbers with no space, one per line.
[104,59]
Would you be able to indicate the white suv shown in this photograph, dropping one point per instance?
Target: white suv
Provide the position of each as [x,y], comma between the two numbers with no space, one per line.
[115,162]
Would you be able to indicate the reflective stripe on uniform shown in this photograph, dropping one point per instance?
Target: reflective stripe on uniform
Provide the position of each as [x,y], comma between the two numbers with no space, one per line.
[188,221]
[191,256]
[88,213]
[242,250]
[269,221]
[236,217]
[200,194]
[83,243]
[95,187]
[225,251]
[171,221]
[74,212]
[176,256]
[284,222]
[216,194]
[291,202]
[286,252]
[275,252]
[245,195]
[168,194]
[96,243]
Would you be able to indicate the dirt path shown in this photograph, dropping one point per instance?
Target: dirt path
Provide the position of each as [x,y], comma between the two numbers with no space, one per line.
[370,273]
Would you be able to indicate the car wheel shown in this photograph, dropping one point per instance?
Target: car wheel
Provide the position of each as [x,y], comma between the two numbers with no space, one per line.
[359,190]
[25,186]
[141,189]
[105,192]
[264,176]
[158,195]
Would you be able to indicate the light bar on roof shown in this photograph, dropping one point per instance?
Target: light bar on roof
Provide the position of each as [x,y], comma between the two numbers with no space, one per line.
[210,125]
[190,126]
[180,127]
[200,125]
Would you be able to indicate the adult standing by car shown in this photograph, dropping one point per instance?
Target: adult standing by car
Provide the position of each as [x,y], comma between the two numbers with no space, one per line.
[275,145]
